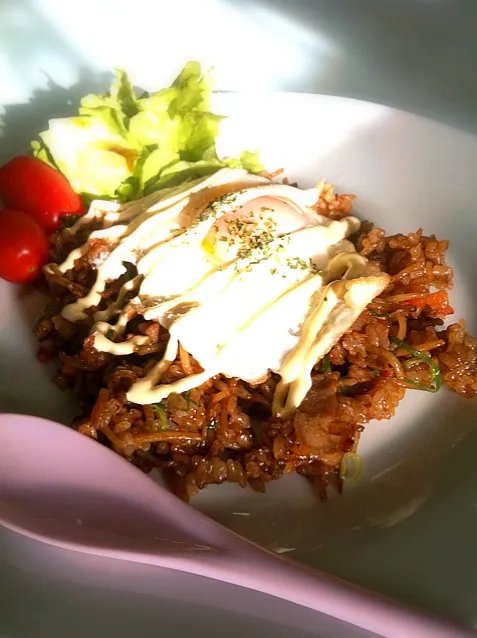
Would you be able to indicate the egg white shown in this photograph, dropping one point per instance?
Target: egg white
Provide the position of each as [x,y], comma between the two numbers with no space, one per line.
[244,274]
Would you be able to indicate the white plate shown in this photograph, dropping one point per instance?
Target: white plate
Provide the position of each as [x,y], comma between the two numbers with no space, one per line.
[408,173]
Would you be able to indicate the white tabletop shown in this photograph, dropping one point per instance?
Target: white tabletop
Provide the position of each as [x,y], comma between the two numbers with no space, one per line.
[417,55]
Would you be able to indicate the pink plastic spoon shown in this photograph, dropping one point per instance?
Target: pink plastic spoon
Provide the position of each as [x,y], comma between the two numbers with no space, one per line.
[59,487]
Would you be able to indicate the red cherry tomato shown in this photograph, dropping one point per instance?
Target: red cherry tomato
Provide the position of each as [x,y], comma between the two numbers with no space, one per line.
[23,246]
[38,190]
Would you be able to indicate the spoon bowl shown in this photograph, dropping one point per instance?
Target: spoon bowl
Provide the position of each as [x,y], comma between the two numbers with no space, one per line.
[62,488]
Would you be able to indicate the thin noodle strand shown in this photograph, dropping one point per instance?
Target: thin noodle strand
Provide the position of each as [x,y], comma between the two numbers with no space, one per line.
[185,360]
[406,297]
[391,359]
[172,435]
[219,396]
[402,331]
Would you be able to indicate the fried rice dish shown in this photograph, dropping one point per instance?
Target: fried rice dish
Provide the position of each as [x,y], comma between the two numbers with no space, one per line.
[237,328]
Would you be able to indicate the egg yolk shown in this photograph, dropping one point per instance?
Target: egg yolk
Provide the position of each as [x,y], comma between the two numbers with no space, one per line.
[252,226]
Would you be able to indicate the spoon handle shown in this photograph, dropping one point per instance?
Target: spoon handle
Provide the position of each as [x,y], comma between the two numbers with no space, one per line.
[268,573]
[92,540]
[243,564]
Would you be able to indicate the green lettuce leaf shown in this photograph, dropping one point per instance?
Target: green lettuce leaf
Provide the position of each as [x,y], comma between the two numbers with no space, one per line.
[122,146]
[123,94]
[182,171]
[251,162]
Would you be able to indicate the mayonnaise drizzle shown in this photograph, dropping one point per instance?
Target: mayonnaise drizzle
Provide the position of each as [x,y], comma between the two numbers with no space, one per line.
[332,312]
[153,227]
[280,306]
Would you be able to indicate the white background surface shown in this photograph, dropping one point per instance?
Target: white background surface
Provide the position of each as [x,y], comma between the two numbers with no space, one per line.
[419,55]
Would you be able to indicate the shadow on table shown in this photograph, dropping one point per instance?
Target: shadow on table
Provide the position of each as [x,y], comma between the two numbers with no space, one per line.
[21,123]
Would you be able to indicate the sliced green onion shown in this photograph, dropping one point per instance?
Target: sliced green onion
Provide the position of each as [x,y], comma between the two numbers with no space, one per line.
[189,400]
[326,363]
[379,315]
[410,363]
[420,357]
[160,412]
[38,318]
[351,467]
[421,386]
